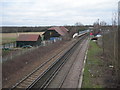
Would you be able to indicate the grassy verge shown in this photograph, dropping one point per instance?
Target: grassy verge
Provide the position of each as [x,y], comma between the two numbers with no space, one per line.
[91,77]
[8,40]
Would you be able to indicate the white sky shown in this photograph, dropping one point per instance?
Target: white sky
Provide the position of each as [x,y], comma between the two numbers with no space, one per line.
[55,12]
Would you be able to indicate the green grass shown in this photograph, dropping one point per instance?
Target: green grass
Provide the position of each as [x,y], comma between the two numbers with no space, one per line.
[8,40]
[91,70]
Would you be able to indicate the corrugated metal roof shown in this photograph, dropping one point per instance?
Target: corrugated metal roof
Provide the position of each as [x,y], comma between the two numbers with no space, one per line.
[40,33]
[64,28]
[60,29]
[28,37]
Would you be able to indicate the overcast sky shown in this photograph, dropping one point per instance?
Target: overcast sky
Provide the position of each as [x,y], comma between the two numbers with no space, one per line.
[55,12]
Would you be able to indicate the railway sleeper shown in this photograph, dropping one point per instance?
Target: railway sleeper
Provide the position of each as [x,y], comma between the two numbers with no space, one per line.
[37,73]
[25,83]
[22,85]
[29,80]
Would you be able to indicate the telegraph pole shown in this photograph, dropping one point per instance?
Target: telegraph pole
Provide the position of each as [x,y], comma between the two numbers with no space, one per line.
[118,44]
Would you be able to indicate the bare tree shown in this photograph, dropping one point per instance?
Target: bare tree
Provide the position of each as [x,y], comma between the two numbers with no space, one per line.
[78,24]
[96,27]
[102,29]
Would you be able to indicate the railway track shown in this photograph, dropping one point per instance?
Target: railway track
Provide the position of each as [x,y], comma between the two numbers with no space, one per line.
[25,82]
[62,78]
[49,75]
[70,74]
[41,76]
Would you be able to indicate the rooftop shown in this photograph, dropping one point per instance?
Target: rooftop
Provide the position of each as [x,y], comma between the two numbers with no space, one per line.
[28,37]
[60,29]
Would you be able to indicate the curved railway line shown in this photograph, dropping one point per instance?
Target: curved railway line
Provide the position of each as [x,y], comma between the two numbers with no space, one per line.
[42,76]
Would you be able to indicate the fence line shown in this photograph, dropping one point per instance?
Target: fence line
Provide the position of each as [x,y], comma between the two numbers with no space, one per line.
[25,51]
[9,45]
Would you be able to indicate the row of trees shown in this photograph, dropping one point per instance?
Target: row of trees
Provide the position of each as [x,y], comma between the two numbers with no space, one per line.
[23,29]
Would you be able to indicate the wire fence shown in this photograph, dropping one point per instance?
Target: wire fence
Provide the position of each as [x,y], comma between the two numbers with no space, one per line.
[8,45]
[20,51]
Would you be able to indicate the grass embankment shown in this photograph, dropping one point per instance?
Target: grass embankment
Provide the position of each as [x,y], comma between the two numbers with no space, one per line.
[92,77]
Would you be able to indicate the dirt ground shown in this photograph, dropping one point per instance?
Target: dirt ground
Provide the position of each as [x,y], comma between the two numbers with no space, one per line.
[14,70]
[108,72]
[108,69]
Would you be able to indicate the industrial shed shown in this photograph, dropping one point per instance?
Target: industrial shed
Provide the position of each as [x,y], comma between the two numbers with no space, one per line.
[28,39]
[54,32]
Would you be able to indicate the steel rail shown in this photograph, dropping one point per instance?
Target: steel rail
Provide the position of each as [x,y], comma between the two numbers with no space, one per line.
[43,74]
[42,81]
[35,70]
[66,73]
